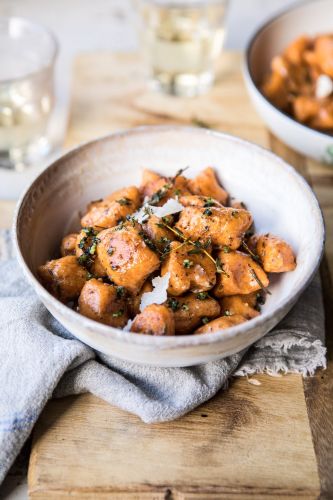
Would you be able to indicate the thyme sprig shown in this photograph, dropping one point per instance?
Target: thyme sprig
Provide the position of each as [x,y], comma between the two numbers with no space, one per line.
[160,194]
[249,251]
[178,173]
[258,280]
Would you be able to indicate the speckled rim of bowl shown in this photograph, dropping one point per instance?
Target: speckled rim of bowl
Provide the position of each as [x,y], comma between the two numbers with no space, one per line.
[247,71]
[171,342]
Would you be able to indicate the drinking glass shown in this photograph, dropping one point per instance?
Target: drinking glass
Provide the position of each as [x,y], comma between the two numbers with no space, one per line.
[182,40]
[27,56]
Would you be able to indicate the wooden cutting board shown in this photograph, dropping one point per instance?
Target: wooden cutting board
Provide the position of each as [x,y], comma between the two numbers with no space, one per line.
[249,441]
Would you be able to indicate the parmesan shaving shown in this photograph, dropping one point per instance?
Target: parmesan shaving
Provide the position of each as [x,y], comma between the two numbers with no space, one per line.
[143,214]
[172,206]
[324,86]
[159,293]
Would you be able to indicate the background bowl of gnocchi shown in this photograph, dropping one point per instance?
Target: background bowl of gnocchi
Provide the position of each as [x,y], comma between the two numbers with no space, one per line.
[288,71]
[154,264]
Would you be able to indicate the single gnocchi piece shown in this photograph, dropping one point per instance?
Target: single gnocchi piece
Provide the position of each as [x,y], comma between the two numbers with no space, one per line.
[127,259]
[189,310]
[156,232]
[206,184]
[294,53]
[222,226]
[68,244]
[274,253]
[188,270]
[241,275]
[243,305]
[147,180]
[220,324]
[160,190]
[104,303]
[323,49]
[154,320]
[63,277]
[108,212]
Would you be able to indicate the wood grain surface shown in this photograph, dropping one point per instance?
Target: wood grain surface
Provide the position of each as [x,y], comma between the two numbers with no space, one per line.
[249,441]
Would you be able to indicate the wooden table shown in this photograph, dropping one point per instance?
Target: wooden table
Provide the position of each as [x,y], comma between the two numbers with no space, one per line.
[274,440]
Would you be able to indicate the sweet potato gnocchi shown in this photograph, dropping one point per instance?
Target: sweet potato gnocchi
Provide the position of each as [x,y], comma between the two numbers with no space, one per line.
[301,81]
[175,256]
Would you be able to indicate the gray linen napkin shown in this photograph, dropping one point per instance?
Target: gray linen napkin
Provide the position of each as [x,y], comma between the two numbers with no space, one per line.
[40,359]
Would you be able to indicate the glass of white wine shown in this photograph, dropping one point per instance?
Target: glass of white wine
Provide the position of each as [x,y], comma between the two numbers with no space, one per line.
[27,56]
[182,40]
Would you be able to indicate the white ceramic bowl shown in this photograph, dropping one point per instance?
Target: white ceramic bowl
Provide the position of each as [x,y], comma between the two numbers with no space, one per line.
[310,18]
[279,199]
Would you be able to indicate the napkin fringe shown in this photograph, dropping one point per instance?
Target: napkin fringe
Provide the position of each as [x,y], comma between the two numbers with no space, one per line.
[269,362]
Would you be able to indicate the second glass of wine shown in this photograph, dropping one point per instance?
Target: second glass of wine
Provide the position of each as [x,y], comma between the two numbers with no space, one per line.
[182,40]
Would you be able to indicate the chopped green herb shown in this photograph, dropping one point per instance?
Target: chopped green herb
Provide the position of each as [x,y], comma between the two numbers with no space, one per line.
[90,276]
[219,265]
[93,247]
[164,239]
[160,194]
[227,313]
[205,320]
[90,231]
[226,249]
[235,213]
[260,298]
[110,250]
[83,259]
[177,192]
[202,295]
[131,219]
[117,314]
[187,263]
[178,173]
[120,225]
[209,202]
[201,123]
[207,212]
[124,201]
[173,304]
[194,251]
[120,291]
[185,307]
[82,242]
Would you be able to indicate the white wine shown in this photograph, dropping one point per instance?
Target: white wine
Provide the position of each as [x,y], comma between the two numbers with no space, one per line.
[182,43]
[27,55]
[25,107]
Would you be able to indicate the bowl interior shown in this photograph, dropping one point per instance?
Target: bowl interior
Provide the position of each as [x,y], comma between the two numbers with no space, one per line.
[279,199]
[311,18]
